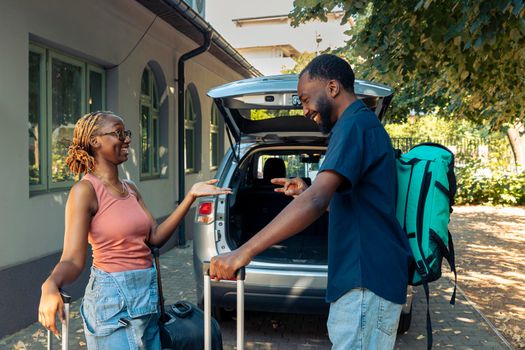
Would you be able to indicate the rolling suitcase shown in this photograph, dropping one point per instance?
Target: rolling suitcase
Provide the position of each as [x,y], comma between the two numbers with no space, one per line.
[65,325]
[241,274]
[181,324]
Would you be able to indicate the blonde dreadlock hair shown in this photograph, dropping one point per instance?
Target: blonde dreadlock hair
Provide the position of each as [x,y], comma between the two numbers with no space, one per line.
[80,158]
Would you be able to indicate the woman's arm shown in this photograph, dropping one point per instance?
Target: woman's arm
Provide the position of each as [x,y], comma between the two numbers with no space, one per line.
[161,233]
[80,206]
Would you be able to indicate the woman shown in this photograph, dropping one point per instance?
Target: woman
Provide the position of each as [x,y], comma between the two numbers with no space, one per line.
[119,308]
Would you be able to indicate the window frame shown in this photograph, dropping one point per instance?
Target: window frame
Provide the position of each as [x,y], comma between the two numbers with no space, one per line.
[214,129]
[153,126]
[69,60]
[92,68]
[46,110]
[42,120]
[190,124]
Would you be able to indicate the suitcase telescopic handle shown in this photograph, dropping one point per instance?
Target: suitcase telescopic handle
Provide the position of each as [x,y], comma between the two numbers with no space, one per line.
[241,275]
[66,298]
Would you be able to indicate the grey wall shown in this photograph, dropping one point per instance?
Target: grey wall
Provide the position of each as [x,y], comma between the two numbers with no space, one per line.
[20,292]
[101,32]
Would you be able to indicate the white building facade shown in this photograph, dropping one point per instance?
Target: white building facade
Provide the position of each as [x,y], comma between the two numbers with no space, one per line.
[262,31]
[62,59]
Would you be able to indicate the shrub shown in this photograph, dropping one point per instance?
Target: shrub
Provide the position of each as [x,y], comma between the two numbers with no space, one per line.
[489,180]
[478,184]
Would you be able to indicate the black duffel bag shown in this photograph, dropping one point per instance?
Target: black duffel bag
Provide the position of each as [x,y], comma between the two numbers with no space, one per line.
[182,324]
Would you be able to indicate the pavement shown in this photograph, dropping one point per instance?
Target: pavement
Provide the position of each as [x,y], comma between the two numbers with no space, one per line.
[457,327]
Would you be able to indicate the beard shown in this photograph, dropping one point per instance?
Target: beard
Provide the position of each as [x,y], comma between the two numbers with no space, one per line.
[324,108]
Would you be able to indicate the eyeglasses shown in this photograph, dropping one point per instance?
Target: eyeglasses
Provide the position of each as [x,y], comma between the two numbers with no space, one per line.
[120,134]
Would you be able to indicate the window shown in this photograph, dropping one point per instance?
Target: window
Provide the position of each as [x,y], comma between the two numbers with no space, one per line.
[61,90]
[149,125]
[37,167]
[198,6]
[214,137]
[297,163]
[190,129]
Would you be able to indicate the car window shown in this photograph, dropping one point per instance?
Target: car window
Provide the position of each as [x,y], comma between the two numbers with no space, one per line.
[263,114]
[305,165]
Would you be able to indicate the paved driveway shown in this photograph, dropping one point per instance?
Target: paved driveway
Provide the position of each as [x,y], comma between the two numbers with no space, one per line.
[457,327]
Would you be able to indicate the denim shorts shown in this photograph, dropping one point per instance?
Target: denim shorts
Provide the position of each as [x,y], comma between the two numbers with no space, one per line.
[361,319]
[119,310]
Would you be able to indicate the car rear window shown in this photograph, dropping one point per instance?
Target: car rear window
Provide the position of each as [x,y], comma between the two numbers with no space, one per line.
[262,114]
[305,165]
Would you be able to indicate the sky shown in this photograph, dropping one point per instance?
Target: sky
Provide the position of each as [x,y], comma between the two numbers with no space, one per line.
[221,12]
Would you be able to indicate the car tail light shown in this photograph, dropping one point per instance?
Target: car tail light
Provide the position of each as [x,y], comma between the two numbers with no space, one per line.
[205,213]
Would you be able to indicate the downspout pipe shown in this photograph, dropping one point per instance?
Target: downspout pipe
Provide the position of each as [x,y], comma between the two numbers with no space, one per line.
[180,98]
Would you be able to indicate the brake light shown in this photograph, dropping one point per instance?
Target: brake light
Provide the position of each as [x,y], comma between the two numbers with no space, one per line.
[205,208]
[205,213]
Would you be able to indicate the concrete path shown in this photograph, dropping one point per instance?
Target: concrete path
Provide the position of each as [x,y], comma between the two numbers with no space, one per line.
[457,327]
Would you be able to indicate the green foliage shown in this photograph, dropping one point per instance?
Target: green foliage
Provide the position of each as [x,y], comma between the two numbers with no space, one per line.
[491,181]
[433,127]
[261,114]
[467,56]
[478,184]
[60,171]
[480,180]
[34,174]
[300,62]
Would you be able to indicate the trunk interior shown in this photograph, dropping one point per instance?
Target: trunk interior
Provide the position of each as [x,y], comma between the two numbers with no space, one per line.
[256,204]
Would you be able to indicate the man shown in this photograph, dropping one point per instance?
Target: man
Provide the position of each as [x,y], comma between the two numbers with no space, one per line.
[367,249]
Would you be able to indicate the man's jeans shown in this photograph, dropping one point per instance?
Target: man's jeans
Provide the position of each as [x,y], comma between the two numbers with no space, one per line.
[361,319]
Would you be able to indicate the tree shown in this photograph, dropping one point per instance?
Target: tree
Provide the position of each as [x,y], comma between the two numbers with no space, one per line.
[467,56]
[300,62]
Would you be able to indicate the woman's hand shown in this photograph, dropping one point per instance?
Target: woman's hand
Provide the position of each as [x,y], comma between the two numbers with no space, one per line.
[50,304]
[291,187]
[207,188]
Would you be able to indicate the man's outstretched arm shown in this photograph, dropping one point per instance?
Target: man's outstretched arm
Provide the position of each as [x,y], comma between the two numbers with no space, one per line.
[290,187]
[298,215]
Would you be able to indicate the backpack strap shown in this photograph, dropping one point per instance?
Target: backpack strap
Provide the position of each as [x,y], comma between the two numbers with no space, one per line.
[448,253]
[448,193]
[452,262]
[429,323]
[156,252]
[452,183]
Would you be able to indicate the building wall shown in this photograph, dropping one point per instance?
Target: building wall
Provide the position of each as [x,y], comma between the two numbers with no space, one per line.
[102,32]
[272,31]
[269,60]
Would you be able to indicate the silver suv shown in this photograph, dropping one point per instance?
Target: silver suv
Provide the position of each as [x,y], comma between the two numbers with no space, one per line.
[270,138]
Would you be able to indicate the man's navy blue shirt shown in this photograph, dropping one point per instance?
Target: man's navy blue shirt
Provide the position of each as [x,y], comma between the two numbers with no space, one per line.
[367,247]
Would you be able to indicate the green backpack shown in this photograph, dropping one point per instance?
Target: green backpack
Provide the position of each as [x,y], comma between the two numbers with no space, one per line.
[426,186]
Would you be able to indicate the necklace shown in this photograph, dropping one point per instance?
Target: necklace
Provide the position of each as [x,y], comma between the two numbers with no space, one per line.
[121,192]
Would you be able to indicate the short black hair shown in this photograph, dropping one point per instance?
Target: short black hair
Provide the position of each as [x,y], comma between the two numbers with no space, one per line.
[331,67]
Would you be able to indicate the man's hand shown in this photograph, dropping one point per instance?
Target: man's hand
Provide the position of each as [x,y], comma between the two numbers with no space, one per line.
[291,187]
[224,266]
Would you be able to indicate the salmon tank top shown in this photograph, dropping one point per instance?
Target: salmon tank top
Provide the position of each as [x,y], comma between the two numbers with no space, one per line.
[118,231]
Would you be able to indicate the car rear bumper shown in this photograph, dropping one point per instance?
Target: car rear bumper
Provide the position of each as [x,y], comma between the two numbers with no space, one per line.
[271,299]
[274,290]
